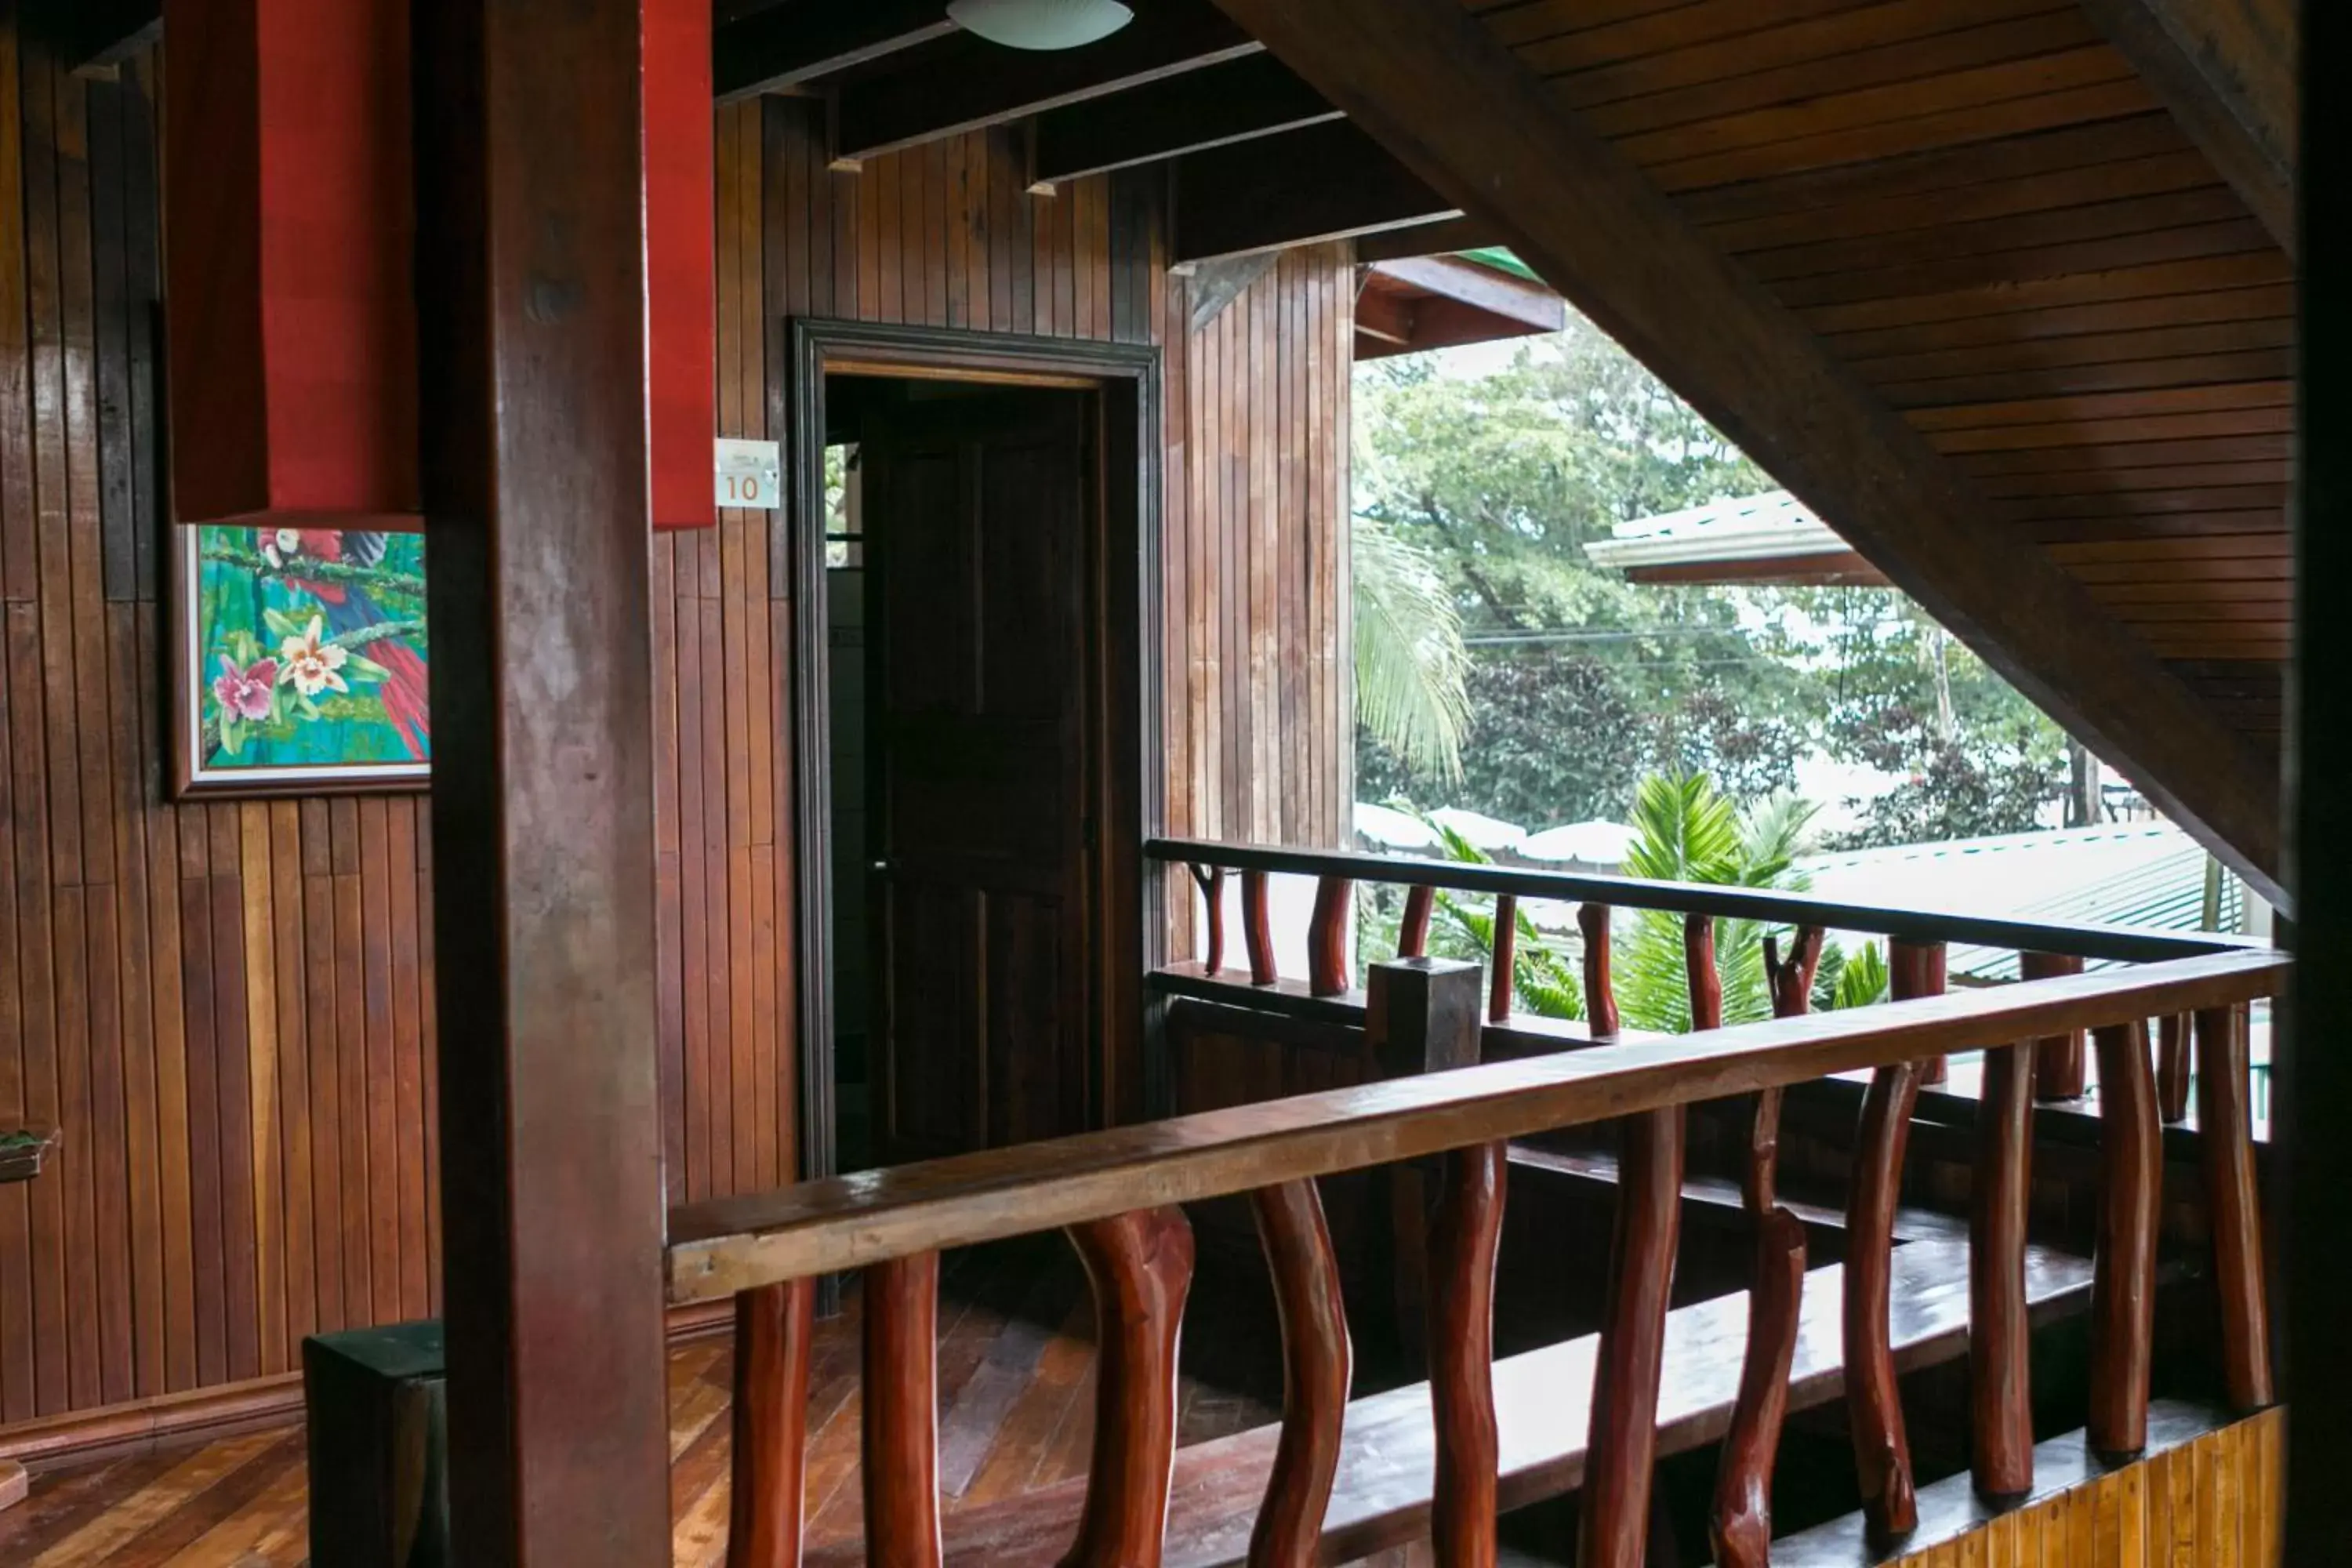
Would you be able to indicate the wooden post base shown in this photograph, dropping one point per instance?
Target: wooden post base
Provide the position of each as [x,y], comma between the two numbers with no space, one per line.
[13,1484]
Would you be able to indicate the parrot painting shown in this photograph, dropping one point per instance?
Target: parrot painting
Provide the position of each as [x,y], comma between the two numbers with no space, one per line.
[348,607]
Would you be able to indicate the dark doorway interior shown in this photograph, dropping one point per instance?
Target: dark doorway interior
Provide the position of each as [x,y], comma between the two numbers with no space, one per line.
[963,525]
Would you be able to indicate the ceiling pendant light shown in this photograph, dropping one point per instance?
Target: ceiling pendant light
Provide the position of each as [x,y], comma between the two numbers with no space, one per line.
[1041,24]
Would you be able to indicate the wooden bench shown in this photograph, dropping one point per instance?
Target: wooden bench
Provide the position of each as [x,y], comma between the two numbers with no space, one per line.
[1542,1403]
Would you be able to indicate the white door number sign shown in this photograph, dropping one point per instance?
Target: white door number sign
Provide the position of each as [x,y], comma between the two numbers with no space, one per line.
[751,475]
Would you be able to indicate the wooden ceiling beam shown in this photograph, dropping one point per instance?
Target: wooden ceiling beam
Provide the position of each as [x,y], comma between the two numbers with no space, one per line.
[1447,237]
[965,83]
[787,45]
[96,35]
[1488,288]
[1326,182]
[1256,95]
[2226,69]
[1460,110]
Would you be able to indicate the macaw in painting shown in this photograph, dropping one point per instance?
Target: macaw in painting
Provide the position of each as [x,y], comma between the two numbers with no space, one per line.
[348,608]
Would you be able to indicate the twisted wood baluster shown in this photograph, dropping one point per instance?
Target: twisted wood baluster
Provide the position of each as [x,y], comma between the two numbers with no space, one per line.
[1139,1266]
[1465,1230]
[1599,996]
[1915,969]
[1998,1333]
[1504,960]
[2172,1068]
[2123,1269]
[901,1435]
[1698,964]
[1790,980]
[1881,1447]
[1621,1442]
[1412,931]
[2226,1141]
[773,1329]
[2059,1064]
[1741,1527]
[1315,1360]
[1257,936]
[1326,936]
[1211,881]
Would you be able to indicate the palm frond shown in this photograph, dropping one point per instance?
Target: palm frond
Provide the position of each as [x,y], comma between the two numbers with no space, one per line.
[1409,665]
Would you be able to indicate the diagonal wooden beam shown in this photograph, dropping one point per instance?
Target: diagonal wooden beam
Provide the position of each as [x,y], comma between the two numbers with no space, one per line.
[1450,101]
[964,82]
[1326,182]
[788,45]
[96,35]
[2226,69]
[1256,95]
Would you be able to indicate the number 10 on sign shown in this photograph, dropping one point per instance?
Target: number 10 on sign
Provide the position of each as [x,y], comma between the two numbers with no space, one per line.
[751,475]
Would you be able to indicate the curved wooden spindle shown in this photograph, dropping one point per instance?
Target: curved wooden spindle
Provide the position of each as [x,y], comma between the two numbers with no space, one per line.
[1915,969]
[1999,1337]
[1698,964]
[1791,983]
[774,1326]
[2059,1063]
[1412,931]
[2226,1141]
[1257,933]
[1599,996]
[1621,1443]
[1741,1528]
[2172,1068]
[2123,1269]
[1326,936]
[1465,1230]
[1316,1362]
[1211,881]
[1504,962]
[901,1436]
[1881,1447]
[1140,1267]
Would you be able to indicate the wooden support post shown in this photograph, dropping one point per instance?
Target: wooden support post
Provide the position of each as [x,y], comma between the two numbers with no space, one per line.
[1315,1363]
[774,1327]
[531,284]
[2123,1276]
[1698,964]
[2226,1139]
[1211,881]
[2059,1064]
[1881,1447]
[1741,1528]
[1464,1233]
[1413,929]
[1422,1015]
[901,1435]
[1599,996]
[1326,936]
[1257,935]
[1790,980]
[1140,1267]
[1504,959]
[1999,1337]
[2172,1068]
[1915,969]
[1621,1443]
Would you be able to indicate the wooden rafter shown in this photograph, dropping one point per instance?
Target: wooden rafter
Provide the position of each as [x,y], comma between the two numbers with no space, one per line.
[1326,182]
[1253,96]
[788,45]
[98,35]
[1440,93]
[964,83]
[2226,69]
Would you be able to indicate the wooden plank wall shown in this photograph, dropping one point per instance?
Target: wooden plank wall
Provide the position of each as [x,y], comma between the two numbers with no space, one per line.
[227,1007]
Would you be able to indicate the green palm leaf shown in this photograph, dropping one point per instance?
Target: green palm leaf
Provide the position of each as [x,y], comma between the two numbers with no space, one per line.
[1410,664]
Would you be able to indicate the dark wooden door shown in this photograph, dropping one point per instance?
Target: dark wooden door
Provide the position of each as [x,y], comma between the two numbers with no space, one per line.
[979,511]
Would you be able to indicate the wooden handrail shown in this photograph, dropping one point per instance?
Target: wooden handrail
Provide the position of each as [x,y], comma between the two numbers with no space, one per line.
[721,1246]
[1771,907]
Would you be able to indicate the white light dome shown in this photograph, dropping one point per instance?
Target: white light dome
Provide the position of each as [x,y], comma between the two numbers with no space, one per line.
[1041,24]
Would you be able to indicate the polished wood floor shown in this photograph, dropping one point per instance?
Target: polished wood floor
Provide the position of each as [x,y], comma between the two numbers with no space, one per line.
[1016,1412]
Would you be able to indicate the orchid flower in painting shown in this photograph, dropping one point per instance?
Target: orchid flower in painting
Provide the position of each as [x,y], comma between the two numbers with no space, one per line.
[311,663]
[245,693]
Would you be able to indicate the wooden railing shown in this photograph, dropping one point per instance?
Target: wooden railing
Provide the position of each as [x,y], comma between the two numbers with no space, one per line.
[1116,1193]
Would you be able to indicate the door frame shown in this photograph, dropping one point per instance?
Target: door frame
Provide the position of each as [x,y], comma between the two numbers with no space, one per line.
[1130,772]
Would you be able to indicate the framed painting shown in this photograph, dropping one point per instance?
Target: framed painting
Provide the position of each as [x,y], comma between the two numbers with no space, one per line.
[299,662]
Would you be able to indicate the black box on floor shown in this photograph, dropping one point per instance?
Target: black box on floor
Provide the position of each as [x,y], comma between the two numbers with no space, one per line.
[378,1410]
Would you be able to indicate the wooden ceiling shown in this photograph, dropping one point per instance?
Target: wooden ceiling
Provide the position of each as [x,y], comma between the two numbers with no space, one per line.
[2004,289]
